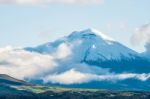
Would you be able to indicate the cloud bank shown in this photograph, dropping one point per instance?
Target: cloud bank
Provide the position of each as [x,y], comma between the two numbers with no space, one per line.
[22,64]
[47,2]
[75,77]
[53,68]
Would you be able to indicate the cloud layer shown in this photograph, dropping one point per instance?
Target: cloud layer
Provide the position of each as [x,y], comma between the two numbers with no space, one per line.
[46,2]
[22,64]
[75,77]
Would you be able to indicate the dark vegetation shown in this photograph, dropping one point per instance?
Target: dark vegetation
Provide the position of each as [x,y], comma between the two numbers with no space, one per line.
[11,88]
[62,93]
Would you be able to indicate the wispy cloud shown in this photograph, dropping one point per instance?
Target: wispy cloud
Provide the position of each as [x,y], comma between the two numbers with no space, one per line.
[119,25]
[75,77]
[63,51]
[141,35]
[47,2]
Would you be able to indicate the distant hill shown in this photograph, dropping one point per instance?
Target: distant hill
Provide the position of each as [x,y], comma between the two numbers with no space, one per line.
[11,88]
[8,80]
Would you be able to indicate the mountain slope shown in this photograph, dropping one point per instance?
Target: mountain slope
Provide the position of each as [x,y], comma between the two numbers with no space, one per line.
[89,56]
[7,80]
[94,48]
[147,52]
[9,88]
[89,44]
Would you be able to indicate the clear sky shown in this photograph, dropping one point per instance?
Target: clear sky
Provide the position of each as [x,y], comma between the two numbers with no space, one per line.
[32,23]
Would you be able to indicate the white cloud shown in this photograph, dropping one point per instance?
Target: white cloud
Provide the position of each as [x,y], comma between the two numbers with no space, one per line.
[141,36]
[63,51]
[69,77]
[22,64]
[46,2]
[75,77]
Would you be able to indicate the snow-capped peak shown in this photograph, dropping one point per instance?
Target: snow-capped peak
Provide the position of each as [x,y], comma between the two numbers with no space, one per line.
[97,33]
[89,44]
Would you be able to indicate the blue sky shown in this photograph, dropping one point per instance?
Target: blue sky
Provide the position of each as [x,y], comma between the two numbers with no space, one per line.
[30,24]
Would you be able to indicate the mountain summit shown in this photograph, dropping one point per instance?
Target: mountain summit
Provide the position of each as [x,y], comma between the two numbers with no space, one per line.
[89,44]
[93,32]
